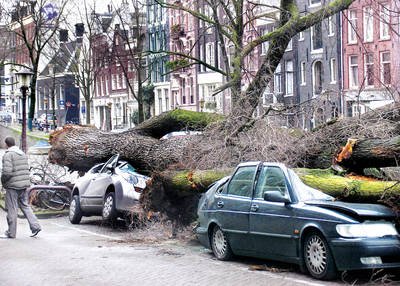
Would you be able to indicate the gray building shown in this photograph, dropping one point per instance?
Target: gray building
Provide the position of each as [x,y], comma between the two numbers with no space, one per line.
[318,67]
[56,90]
[157,35]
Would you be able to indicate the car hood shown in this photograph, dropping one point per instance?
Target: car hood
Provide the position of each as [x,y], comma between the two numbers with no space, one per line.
[361,210]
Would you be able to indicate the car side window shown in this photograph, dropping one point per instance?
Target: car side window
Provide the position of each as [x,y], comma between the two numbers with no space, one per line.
[271,179]
[242,182]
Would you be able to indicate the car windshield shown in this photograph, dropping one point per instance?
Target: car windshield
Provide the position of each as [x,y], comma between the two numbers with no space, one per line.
[127,167]
[304,192]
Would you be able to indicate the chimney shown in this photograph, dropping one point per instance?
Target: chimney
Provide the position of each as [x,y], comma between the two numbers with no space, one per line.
[79,30]
[63,36]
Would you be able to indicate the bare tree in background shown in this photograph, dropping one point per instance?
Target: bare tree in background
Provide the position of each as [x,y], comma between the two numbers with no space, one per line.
[34,23]
[232,19]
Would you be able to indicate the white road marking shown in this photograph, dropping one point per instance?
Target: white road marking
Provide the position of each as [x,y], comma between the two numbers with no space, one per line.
[88,232]
[277,276]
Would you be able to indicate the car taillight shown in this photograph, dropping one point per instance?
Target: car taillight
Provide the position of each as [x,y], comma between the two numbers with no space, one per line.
[139,190]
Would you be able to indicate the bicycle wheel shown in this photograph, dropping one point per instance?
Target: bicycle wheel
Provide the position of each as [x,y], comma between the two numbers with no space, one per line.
[49,199]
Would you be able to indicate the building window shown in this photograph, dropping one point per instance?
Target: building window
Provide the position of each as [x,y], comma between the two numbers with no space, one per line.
[289,46]
[352,27]
[385,68]
[369,69]
[264,45]
[368,24]
[333,70]
[315,2]
[289,78]
[303,73]
[278,79]
[318,77]
[384,23]
[331,26]
[210,57]
[316,37]
[301,36]
[353,71]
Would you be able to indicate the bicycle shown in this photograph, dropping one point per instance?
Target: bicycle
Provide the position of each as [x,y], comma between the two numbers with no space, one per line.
[52,197]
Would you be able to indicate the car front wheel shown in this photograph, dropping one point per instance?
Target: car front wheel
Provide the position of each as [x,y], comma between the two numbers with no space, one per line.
[75,212]
[109,212]
[220,245]
[318,257]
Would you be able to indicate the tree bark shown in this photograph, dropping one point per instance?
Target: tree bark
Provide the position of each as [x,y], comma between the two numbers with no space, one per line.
[176,120]
[369,153]
[80,147]
[176,193]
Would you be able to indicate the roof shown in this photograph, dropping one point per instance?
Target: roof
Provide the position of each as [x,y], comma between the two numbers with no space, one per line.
[61,62]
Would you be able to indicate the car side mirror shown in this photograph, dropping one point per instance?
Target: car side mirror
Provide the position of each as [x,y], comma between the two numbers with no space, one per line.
[110,167]
[276,196]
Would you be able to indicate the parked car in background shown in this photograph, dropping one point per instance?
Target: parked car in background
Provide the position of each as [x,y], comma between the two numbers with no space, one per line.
[46,121]
[177,134]
[264,210]
[108,189]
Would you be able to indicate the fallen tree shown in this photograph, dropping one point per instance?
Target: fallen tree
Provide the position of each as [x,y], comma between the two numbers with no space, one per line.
[175,190]
[359,154]
[176,193]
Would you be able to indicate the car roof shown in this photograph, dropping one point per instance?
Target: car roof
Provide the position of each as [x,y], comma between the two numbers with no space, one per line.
[272,164]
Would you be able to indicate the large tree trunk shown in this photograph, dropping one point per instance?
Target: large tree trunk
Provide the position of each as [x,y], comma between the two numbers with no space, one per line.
[369,153]
[176,193]
[80,147]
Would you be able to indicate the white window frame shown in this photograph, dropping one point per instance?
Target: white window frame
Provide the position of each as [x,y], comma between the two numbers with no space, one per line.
[366,65]
[303,73]
[383,70]
[331,26]
[264,45]
[314,4]
[368,24]
[333,70]
[289,78]
[278,79]
[384,21]
[289,46]
[320,50]
[352,27]
[301,36]
[353,81]
[314,77]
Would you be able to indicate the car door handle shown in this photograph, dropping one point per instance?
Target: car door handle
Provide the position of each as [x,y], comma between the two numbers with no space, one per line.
[254,208]
[220,204]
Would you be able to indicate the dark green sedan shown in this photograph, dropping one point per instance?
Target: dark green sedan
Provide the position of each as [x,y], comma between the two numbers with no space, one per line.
[264,210]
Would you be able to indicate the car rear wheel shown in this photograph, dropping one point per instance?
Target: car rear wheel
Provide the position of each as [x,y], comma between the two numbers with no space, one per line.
[109,212]
[75,212]
[318,257]
[220,245]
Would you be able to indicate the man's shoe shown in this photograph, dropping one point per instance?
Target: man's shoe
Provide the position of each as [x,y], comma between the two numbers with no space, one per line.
[35,232]
[5,235]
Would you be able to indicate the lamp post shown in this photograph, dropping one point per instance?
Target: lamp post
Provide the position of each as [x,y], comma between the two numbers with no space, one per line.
[46,100]
[24,78]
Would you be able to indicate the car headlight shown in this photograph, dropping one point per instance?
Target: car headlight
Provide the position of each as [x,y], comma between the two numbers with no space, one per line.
[131,179]
[366,229]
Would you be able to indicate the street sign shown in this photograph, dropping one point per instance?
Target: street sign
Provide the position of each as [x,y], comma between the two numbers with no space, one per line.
[68,104]
[83,109]
[61,102]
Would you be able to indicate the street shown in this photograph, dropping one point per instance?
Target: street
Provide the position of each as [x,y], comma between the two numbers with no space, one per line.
[94,254]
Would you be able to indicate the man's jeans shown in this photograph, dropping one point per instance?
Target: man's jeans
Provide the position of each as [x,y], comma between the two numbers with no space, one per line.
[15,199]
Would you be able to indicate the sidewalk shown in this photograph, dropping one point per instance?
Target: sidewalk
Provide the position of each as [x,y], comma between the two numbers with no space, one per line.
[36,134]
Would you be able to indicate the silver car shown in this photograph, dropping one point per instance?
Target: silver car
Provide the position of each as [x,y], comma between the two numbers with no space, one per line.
[108,189]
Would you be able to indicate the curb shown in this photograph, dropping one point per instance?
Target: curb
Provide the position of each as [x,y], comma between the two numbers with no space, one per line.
[36,137]
[39,214]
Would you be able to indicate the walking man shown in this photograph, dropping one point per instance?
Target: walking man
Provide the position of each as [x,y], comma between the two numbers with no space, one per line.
[15,179]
